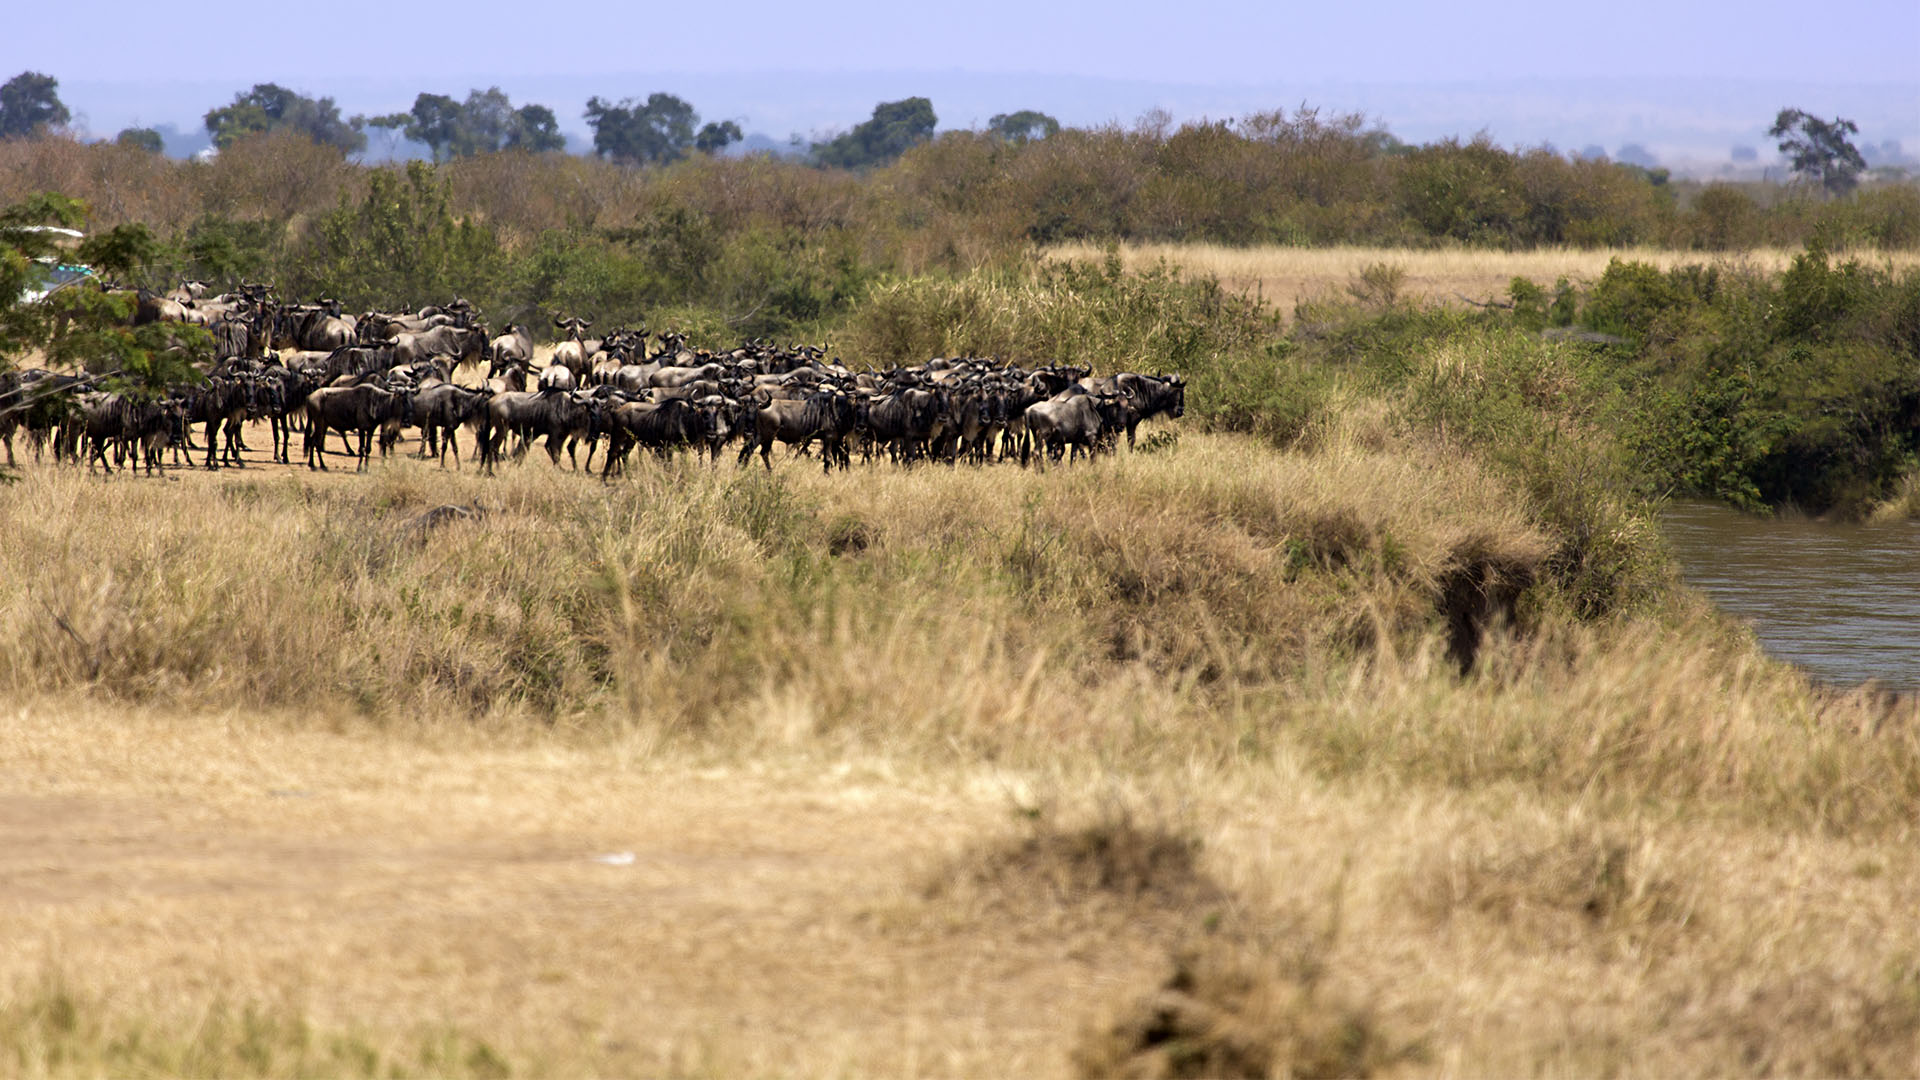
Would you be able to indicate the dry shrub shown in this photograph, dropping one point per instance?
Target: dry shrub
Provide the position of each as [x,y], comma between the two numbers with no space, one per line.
[1112,864]
[1561,881]
[1222,1012]
[1378,284]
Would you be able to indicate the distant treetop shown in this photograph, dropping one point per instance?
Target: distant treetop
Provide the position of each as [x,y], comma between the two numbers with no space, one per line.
[271,107]
[1021,126]
[894,127]
[30,104]
[485,122]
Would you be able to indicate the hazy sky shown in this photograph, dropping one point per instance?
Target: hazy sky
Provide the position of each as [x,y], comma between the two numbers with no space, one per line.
[1247,41]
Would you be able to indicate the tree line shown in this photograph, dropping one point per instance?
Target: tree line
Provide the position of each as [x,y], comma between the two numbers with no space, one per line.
[664,128]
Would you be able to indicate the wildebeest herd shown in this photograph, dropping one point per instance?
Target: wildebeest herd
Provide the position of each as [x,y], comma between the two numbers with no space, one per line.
[312,369]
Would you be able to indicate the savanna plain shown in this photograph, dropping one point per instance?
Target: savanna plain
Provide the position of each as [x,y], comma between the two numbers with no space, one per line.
[1164,764]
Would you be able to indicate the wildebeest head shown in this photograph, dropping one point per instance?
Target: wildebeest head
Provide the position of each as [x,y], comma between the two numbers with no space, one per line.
[1176,395]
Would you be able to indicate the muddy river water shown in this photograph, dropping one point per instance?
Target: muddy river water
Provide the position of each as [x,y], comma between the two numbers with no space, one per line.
[1841,601]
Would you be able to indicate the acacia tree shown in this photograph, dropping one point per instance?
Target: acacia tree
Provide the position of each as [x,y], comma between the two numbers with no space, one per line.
[716,137]
[145,138]
[29,104]
[1819,149]
[1023,126]
[485,122]
[894,127]
[271,107]
[658,131]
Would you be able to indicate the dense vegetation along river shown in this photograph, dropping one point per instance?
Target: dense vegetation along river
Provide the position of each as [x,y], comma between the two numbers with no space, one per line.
[1841,601]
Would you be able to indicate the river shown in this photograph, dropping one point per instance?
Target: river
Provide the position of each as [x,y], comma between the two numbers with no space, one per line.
[1841,601]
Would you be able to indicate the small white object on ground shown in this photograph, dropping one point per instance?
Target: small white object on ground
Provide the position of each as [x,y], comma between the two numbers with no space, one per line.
[618,858]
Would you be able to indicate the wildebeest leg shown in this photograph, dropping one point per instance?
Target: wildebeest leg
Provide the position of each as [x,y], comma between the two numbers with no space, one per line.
[213,441]
[366,449]
[616,455]
[234,445]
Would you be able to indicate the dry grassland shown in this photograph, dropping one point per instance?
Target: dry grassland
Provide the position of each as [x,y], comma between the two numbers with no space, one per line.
[1284,276]
[1157,766]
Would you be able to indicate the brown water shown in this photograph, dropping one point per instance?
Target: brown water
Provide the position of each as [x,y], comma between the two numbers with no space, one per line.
[1841,601]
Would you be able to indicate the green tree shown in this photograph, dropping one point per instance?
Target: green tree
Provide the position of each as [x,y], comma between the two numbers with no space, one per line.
[87,326]
[894,127]
[534,129]
[484,123]
[657,132]
[400,243]
[270,107]
[1819,149]
[717,137]
[1023,126]
[144,138]
[29,104]
[436,120]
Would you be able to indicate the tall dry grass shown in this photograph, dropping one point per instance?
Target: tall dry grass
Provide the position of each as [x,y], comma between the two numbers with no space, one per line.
[1159,760]
[1285,276]
[1196,601]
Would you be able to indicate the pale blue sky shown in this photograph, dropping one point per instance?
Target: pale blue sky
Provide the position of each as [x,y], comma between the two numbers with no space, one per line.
[1659,69]
[1205,43]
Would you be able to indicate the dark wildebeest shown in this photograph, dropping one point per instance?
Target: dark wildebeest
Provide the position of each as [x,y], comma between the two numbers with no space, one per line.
[574,351]
[659,426]
[1151,396]
[465,345]
[828,416]
[347,408]
[313,327]
[1074,421]
[906,420]
[553,413]
[515,346]
[443,407]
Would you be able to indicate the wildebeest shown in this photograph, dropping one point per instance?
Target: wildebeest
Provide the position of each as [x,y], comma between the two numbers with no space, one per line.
[1072,422]
[905,421]
[659,426]
[555,414]
[574,351]
[314,327]
[514,346]
[347,408]
[465,345]
[1149,396]
[828,416]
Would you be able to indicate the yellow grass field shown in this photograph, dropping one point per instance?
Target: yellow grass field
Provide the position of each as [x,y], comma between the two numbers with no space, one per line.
[1160,765]
[1287,275]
